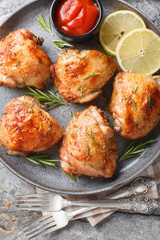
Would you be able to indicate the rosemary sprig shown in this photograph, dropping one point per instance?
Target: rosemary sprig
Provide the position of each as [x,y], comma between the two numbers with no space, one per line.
[52,100]
[14,129]
[149,99]
[17,63]
[57,43]
[91,75]
[82,89]
[87,151]
[136,89]
[1,64]
[9,76]
[72,177]
[134,105]
[61,44]
[42,22]
[137,149]
[42,160]
[102,50]
[91,136]
[127,99]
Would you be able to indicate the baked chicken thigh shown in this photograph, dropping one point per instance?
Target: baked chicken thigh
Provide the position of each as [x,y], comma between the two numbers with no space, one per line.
[22,61]
[135,104]
[25,127]
[88,146]
[80,75]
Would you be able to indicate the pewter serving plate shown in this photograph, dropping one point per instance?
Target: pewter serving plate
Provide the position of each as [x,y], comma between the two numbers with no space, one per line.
[49,178]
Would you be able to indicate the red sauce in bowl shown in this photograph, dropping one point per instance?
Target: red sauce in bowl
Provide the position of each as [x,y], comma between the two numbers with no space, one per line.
[77,17]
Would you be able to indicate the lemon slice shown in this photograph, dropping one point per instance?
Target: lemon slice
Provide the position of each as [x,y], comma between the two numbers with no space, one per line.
[139,51]
[115,26]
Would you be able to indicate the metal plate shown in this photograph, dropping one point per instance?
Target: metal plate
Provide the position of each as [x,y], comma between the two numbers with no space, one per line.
[48,178]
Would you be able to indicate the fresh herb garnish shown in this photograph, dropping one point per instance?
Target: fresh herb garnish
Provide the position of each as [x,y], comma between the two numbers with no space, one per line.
[102,50]
[82,89]
[127,99]
[149,99]
[40,126]
[91,136]
[12,40]
[52,100]
[9,76]
[91,75]
[42,160]
[70,113]
[134,105]
[136,89]
[57,43]
[14,129]
[137,149]
[42,22]
[60,44]
[1,64]
[17,63]
[97,89]
[72,177]
[87,151]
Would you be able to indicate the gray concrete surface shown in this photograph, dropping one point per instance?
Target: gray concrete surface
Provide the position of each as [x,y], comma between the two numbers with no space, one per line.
[119,226]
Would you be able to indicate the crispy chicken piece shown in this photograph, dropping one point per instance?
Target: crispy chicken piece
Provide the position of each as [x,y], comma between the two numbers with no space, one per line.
[71,74]
[22,61]
[135,104]
[88,146]
[25,127]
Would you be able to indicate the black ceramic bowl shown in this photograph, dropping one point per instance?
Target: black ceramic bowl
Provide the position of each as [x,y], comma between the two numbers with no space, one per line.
[75,38]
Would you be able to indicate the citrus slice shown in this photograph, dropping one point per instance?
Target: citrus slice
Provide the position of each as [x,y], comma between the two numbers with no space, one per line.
[115,26]
[139,51]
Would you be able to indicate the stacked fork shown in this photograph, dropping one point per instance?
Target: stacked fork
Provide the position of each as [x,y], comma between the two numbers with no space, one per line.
[55,218]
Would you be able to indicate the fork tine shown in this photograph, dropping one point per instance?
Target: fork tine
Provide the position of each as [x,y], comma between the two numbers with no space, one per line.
[33,209]
[31,229]
[48,230]
[33,204]
[34,195]
[32,200]
[42,230]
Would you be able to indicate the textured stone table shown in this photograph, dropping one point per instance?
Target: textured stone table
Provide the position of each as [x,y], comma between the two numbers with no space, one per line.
[119,226]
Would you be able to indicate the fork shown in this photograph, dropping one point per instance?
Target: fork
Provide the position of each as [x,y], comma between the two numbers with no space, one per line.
[53,202]
[57,220]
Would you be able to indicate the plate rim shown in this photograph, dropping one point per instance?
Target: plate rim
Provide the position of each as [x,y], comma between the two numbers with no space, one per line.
[83,192]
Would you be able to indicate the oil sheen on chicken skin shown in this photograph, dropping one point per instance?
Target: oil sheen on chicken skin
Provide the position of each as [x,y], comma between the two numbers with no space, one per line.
[88,146]
[22,61]
[25,127]
[135,104]
[73,66]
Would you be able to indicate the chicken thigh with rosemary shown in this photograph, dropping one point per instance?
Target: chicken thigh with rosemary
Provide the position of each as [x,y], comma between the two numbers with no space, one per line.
[88,146]
[80,75]
[135,104]
[22,61]
[25,127]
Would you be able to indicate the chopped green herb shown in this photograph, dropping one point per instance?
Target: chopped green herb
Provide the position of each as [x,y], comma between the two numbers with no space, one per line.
[91,136]
[136,89]
[135,150]
[12,40]
[61,44]
[149,99]
[87,151]
[42,22]
[42,160]
[9,76]
[72,177]
[91,75]
[14,129]
[97,89]
[70,113]
[1,64]
[134,105]
[127,99]
[17,63]
[82,89]
[40,125]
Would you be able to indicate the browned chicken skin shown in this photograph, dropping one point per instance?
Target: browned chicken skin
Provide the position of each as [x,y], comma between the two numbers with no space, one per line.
[89,146]
[73,66]
[22,62]
[25,127]
[135,104]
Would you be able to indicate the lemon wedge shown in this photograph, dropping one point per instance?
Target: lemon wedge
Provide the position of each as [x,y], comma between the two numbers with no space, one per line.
[115,26]
[139,51]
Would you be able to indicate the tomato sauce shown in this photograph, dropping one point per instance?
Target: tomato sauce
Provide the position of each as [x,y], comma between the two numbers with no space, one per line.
[77,17]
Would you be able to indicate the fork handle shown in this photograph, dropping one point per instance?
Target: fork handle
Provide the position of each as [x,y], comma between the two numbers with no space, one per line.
[140,204]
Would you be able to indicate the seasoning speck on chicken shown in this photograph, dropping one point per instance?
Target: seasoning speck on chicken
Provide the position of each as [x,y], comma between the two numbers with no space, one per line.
[80,75]
[25,127]
[88,146]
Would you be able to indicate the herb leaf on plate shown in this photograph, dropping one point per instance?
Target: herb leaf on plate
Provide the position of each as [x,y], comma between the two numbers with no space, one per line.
[42,160]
